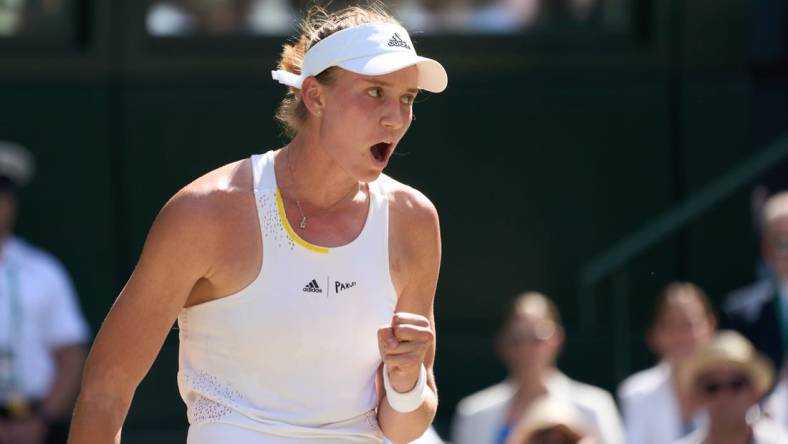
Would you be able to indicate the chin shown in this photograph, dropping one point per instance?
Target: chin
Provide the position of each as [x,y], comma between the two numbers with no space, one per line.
[370,176]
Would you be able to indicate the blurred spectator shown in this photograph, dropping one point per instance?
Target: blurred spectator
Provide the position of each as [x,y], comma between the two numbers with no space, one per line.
[217,17]
[551,421]
[49,18]
[42,332]
[729,377]
[654,411]
[530,338]
[220,17]
[760,311]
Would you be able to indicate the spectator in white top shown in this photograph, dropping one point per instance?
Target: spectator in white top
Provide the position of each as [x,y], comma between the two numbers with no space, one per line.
[654,411]
[729,377]
[530,338]
[42,332]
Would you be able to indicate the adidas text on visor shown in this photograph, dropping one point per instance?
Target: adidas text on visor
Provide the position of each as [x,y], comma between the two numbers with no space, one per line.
[371,49]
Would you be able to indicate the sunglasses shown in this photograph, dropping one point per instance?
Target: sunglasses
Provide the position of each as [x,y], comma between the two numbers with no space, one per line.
[712,388]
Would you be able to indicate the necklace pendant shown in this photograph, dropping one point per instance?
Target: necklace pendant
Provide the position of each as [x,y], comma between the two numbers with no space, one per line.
[303,222]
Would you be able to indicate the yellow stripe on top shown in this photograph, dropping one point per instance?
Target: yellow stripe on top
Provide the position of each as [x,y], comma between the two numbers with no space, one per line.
[296,238]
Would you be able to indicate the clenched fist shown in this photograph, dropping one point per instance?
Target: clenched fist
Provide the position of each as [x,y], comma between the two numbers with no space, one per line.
[403,345]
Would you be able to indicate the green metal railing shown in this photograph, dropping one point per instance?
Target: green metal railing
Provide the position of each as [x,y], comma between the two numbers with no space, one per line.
[614,262]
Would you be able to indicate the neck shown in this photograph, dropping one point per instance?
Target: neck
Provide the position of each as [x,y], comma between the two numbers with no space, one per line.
[533,381]
[308,173]
[687,404]
[530,387]
[727,432]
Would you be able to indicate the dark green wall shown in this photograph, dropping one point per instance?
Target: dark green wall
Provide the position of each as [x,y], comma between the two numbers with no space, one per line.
[538,156]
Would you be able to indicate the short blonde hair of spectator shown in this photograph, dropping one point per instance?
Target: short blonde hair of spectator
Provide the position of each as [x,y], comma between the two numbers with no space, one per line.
[775,208]
[315,26]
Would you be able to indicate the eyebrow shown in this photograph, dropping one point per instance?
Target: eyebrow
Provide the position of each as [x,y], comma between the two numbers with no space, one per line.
[384,83]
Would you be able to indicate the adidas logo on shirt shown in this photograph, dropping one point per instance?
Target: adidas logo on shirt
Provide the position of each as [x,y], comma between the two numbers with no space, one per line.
[312,287]
[396,40]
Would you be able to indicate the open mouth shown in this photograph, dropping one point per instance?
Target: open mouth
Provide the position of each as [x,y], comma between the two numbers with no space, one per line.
[380,151]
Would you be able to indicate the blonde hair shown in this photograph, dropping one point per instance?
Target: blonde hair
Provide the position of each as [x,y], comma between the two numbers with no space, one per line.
[314,27]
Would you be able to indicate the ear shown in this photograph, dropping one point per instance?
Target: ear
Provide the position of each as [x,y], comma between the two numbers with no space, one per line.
[313,96]
[557,342]
[766,248]
[560,337]
[651,340]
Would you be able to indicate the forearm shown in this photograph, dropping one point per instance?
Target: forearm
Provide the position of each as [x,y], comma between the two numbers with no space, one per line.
[98,419]
[402,428]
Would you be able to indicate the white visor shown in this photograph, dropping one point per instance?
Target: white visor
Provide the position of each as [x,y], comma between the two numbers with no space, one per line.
[371,49]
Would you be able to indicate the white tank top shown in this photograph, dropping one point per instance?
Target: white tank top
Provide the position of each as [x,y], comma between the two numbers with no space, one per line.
[292,357]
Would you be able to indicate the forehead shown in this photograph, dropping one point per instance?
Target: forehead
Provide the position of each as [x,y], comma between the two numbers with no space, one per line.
[406,79]
[682,304]
[721,371]
[778,226]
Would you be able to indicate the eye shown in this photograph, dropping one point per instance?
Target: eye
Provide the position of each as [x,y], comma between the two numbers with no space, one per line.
[376,92]
[407,99]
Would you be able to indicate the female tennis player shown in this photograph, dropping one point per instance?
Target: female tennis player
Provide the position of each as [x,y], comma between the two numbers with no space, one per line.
[303,279]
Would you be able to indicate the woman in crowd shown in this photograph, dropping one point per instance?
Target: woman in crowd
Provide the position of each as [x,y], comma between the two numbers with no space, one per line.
[529,341]
[654,410]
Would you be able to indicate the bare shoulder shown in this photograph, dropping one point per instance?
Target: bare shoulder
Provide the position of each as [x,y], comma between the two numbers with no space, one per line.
[409,205]
[211,197]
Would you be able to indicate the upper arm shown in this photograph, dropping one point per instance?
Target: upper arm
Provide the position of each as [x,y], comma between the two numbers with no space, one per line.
[419,244]
[176,254]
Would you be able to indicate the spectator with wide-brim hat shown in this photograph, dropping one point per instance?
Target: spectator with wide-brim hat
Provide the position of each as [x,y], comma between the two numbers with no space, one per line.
[729,377]
[551,420]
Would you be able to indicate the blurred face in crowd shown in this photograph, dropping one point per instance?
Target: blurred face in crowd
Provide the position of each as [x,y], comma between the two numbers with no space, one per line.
[531,341]
[682,327]
[775,246]
[7,213]
[727,393]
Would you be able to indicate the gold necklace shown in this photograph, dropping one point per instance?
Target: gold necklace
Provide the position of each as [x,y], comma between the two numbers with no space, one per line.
[298,202]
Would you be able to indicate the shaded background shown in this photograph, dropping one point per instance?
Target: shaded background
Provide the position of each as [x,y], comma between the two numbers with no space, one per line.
[558,135]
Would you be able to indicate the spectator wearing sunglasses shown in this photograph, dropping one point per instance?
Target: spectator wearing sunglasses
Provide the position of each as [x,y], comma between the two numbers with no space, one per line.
[528,343]
[728,378]
[654,410]
[760,311]
[551,420]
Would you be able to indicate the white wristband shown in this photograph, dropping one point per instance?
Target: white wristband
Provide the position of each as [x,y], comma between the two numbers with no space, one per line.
[406,402]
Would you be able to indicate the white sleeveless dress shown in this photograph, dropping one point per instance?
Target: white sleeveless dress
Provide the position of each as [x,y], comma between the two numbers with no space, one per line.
[293,357]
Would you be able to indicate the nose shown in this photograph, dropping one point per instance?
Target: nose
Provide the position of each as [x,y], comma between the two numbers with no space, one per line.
[395,116]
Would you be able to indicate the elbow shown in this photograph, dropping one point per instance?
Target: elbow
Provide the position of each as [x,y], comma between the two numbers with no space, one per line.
[105,387]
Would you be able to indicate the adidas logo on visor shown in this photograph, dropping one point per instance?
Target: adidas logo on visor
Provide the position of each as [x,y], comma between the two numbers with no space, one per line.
[396,40]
